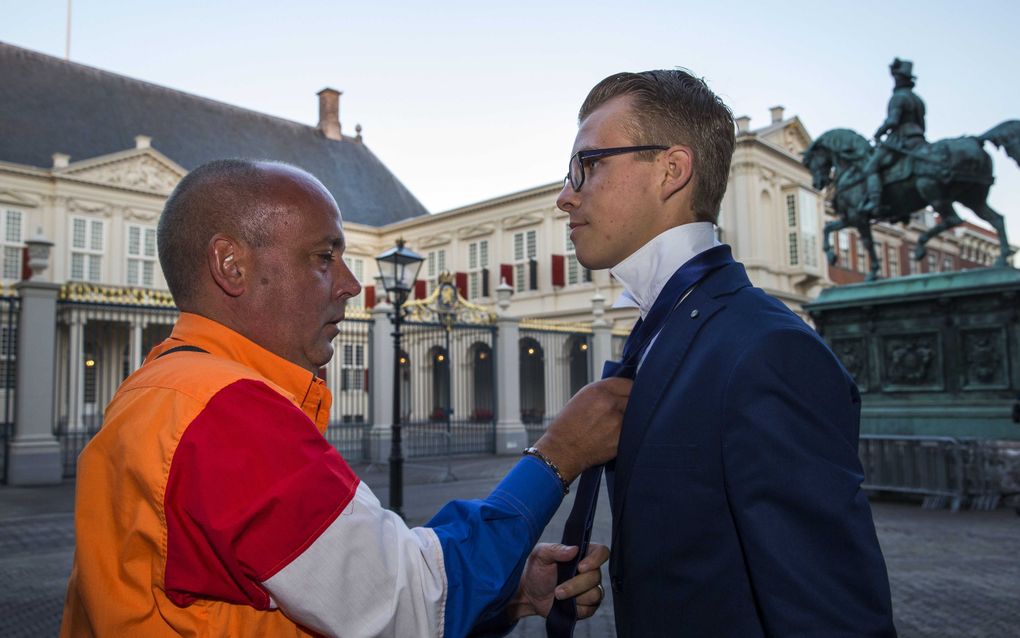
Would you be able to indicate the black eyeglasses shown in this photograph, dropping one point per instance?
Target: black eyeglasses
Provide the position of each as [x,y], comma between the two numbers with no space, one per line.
[575,170]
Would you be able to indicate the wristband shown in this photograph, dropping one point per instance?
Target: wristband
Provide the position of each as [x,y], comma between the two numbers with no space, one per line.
[532,451]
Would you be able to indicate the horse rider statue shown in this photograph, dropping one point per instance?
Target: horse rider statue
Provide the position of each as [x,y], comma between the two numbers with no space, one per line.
[905,126]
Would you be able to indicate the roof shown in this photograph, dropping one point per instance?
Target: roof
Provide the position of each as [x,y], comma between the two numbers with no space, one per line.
[49,105]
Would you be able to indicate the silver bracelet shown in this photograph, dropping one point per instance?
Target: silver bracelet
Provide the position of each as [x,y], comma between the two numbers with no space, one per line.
[533,451]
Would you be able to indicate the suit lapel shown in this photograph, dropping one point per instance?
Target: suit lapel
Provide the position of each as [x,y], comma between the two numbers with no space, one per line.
[658,370]
[654,376]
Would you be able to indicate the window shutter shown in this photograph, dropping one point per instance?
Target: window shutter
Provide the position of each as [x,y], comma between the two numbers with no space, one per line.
[370,296]
[558,271]
[485,282]
[364,385]
[506,272]
[587,276]
[420,290]
[461,279]
[26,272]
[533,273]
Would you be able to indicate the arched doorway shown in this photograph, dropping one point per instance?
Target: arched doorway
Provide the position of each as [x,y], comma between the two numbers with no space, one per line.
[578,367]
[439,360]
[482,381]
[532,381]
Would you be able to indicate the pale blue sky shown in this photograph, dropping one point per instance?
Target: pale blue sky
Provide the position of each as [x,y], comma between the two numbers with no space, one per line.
[465,101]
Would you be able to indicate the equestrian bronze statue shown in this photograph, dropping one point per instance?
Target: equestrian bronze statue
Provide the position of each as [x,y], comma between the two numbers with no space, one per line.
[903,173]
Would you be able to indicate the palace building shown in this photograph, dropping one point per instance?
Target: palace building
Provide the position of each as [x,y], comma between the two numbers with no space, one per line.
[88,157]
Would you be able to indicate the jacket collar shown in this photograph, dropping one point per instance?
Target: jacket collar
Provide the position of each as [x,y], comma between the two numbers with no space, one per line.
[645,273]
[304,389]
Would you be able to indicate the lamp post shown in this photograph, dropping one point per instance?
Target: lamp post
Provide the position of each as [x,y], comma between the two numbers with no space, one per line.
[398,270]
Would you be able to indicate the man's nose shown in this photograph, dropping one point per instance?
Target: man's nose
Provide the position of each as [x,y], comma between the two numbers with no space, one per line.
[567,200]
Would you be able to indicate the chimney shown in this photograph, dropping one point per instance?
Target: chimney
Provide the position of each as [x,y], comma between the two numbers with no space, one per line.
[143,141]
[777,114]
[61,160]
[329,113]
[743,125]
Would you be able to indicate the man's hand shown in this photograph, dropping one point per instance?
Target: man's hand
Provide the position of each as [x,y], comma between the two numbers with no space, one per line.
[538,582]
[587,429]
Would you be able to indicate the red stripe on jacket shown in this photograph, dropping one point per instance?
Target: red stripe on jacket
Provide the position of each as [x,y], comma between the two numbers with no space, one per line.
[252,484]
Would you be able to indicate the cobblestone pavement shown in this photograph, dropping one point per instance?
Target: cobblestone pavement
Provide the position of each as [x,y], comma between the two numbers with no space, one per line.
[952,575]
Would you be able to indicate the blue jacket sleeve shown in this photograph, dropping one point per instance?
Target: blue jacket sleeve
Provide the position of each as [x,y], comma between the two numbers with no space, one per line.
[793,478]
[486,543]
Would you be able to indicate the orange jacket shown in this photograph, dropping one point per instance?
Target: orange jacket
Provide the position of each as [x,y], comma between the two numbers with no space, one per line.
[177,527]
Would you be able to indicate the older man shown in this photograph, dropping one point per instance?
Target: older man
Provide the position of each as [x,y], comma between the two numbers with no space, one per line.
[210,503]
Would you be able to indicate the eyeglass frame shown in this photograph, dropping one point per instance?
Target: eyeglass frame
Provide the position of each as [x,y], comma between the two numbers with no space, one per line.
[599,153]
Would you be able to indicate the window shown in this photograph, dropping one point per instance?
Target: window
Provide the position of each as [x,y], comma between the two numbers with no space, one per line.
[12,243]
[893,259]
[792,236]
[933,262]
[141,256]
[862,256]
[947,264]
[435,265]
[352,372]
[87,238]
[880,256]
[801,228]
[357,266]
[478,269]
[844,250]
[525,253]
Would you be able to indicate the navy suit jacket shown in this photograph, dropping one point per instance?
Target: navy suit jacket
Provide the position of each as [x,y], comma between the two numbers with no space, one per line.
[737,507]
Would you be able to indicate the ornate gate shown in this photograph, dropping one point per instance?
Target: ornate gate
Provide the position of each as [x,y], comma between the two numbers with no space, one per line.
[448,380]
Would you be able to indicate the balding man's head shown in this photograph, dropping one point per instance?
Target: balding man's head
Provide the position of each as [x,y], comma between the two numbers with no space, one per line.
[235,197]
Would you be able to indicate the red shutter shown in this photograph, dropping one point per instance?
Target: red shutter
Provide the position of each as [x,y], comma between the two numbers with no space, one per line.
[370,296]
[365,384]
[558,271]
[506,273]
[461,279]
[420,289]
[26,272]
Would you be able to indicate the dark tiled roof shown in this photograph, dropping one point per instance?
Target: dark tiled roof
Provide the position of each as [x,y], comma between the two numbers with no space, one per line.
[48,105]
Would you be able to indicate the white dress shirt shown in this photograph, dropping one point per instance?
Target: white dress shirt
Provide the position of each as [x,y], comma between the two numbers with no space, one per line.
[645,273]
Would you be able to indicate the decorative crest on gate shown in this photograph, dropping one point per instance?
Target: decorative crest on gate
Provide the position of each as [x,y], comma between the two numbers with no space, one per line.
[446,306]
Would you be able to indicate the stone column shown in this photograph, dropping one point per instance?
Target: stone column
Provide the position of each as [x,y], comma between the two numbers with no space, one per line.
[511,436]
[34,453]
[135,354]
[381,383]
[602,336]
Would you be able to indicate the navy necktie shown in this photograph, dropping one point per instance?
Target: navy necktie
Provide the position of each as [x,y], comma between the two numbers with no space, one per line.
[577,530]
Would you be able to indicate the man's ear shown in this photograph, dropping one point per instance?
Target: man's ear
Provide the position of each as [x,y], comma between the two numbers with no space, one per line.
[679,170]
[227,262]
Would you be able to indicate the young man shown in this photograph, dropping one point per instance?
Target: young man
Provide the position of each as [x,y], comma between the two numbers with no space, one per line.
[211,505]
[737,508]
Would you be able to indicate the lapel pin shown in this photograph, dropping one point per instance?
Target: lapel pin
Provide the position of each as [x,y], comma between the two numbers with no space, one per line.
[694,314]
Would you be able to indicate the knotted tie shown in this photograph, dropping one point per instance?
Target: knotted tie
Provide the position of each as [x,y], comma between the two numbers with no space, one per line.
[577,530]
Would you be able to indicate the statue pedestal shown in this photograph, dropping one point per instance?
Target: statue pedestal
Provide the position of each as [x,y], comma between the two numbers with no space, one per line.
[933,355]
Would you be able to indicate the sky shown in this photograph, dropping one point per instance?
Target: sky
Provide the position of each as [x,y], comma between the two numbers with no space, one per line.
[466,101]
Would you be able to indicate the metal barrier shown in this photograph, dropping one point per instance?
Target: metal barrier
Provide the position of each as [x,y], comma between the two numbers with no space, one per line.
[942,469]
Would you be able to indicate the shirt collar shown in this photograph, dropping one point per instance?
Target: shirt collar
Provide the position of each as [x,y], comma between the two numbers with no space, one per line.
[307,390]
[645,273]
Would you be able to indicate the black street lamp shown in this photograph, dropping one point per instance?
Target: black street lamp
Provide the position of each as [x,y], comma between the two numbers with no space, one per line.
[398,270]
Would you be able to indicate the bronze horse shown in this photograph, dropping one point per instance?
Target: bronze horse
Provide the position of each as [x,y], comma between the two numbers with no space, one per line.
[937,174]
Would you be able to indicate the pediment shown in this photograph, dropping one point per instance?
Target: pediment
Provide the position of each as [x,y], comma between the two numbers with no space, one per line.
[17,199]
[792,137]
[526,219]
[143,170]
[476,230]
